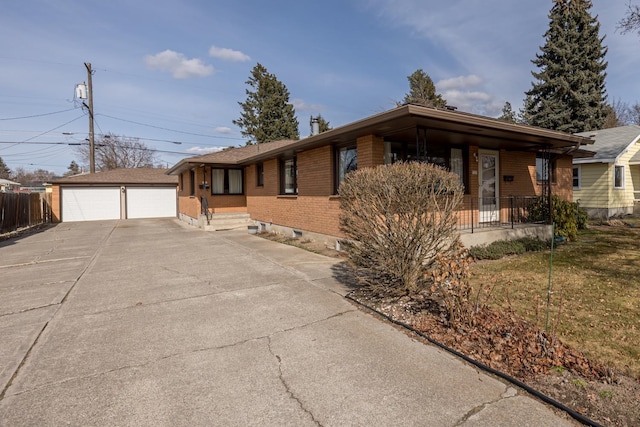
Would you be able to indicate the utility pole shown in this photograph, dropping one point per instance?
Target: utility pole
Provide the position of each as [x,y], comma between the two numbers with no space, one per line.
[92,146]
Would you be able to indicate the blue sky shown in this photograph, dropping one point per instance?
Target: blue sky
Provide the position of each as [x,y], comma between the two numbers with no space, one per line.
[173,71]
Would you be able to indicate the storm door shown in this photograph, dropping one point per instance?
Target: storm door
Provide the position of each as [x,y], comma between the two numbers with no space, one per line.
[489,203]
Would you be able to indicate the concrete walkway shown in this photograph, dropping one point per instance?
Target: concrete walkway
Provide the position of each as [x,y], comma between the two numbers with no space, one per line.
[150,322]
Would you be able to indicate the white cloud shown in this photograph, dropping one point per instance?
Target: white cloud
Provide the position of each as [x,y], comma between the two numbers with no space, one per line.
[178,65]
[204,150]
[228,54]
[476,102]
[459,82]
[300,105]
[223,129]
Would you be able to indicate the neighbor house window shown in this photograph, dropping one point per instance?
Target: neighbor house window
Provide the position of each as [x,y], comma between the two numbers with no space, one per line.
[260,174]
[288,176]
[226,181]
[181,180]
[577,177]
[192,182]
[346,161]
[618,176]
[544,167]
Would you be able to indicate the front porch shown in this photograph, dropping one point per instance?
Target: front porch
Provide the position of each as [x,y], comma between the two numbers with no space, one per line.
[478,213]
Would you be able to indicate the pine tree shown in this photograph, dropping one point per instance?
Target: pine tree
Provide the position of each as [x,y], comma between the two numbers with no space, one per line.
[266,114]
[422,91]
[5,172]
[72,169]
[508,115]
[569,92]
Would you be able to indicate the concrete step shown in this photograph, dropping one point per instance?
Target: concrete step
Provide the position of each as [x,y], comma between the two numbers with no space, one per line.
[226,221]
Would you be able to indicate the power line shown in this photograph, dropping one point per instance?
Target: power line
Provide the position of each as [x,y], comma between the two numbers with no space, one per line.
[37,115]
[37,143]
[167,129]
[43,133]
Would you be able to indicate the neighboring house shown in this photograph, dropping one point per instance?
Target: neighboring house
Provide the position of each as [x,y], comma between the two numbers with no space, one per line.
[294,184]
[608,184]
[33,187]
[115,194]
[7,186]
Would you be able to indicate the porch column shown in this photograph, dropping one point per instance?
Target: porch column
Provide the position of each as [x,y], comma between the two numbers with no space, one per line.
[370,151]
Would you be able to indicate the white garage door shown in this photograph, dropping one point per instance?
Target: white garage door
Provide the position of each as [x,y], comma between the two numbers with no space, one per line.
[151,202]
[90,203]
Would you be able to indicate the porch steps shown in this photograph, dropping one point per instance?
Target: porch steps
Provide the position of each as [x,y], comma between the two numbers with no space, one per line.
[228,221]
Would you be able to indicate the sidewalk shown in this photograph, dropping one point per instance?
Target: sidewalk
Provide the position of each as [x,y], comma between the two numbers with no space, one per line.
[150,322]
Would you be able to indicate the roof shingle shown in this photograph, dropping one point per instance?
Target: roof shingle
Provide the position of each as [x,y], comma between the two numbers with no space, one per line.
[122,176]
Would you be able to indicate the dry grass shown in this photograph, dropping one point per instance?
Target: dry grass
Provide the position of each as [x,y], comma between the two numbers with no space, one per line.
[595,300]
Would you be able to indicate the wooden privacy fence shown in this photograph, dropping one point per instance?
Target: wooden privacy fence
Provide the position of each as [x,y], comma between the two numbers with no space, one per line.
[20,210]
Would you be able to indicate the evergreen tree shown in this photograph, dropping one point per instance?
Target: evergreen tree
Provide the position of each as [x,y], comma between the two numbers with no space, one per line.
[72,169]
[5,172]
[266,114]
[508,115]
[569,93]
[422,91]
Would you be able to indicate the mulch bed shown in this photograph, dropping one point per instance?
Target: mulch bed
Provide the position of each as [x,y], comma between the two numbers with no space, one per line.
[509,344]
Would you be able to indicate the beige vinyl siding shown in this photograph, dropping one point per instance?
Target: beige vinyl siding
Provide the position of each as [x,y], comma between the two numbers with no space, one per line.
[596,184]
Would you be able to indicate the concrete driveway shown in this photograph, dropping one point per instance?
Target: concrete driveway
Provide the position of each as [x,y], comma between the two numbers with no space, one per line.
[150,322]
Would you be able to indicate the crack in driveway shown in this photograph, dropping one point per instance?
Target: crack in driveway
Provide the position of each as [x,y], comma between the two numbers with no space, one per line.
[509,393]
[161,358]
[287,387]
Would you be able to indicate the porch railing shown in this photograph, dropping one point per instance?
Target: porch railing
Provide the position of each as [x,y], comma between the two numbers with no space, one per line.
[491,212]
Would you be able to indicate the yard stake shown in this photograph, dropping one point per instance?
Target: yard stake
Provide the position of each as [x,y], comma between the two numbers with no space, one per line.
[553,235]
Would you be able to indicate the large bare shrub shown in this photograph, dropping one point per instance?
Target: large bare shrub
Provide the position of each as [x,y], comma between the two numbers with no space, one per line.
[398,219]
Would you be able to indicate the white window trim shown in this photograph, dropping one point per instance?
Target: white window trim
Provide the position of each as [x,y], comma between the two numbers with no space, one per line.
[614,177]
[579,186]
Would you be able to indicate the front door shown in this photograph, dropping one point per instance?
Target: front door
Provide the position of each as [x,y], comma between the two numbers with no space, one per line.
[489,191]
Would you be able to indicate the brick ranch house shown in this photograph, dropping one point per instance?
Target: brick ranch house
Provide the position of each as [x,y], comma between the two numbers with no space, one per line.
[293,185]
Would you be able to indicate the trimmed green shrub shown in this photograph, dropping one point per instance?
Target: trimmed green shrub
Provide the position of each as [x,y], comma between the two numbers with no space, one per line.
[502,248]
[566,215]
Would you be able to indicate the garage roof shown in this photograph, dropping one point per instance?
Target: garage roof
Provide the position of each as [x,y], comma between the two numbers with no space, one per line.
[122,176]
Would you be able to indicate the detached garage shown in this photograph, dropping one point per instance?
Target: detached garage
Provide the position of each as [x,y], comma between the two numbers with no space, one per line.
[115,194]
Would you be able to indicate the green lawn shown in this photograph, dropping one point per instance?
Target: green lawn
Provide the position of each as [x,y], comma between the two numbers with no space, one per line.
[595,300]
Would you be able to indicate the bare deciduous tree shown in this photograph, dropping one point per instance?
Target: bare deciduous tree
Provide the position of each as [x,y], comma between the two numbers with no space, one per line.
[113,152]
[631,21]
[24,176]
[624,114]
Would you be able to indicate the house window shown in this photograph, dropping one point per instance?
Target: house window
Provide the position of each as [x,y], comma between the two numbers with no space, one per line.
[192,182]
[260,174]
[618,176]
[181,181]
[288,176]
[543,168]
[453,159]
[346,161]
[456,164]
[226,181]
[577,177]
